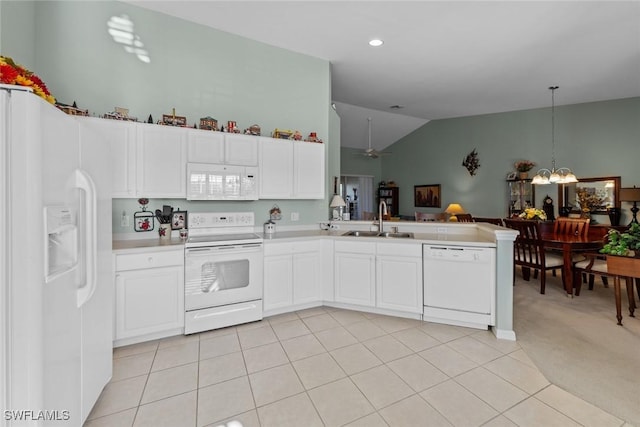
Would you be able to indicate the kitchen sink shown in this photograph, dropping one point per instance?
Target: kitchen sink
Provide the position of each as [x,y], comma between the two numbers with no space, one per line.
[361,233]
[396,235]
[377,234]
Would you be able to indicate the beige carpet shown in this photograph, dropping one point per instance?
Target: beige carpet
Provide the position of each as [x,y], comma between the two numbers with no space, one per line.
[577,345]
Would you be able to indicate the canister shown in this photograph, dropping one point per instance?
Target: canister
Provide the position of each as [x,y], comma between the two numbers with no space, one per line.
[269,227]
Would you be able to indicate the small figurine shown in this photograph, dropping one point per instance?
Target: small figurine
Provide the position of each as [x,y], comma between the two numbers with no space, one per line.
[150,119]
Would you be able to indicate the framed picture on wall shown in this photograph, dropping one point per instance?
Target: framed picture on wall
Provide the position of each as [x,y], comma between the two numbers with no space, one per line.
[427,196]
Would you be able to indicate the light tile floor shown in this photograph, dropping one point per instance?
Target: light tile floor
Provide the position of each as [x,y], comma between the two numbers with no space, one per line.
[332,367]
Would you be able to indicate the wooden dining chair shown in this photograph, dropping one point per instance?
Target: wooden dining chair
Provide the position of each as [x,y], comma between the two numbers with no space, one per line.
[496,221]
[464,217]
[529,253]
[593,264]
[424,216]
[572,226]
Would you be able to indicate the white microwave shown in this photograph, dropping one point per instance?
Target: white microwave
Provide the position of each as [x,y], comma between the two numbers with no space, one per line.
[207,181]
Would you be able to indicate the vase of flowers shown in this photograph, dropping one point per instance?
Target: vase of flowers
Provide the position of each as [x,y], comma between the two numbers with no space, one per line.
[523,167]
[533,214]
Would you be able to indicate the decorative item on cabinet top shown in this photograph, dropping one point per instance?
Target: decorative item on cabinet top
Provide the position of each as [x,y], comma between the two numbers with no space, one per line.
[119,113]
[208,123]
[173,120]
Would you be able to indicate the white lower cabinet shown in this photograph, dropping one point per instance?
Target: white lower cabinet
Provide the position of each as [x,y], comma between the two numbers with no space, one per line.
[381,275]
[292,276]
[355,273]
[399,277]
[149,295]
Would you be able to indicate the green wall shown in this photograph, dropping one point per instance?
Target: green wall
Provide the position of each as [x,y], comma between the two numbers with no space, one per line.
[593,139]
[197,70]
[352,162]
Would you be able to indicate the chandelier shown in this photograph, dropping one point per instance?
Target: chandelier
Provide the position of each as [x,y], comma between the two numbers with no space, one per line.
[555,175]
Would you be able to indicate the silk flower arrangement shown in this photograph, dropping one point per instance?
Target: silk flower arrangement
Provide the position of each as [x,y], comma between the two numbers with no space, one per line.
[15,74]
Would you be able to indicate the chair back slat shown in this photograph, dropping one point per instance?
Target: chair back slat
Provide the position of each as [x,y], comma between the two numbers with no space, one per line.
[528,246]
[572,226]
[464,218]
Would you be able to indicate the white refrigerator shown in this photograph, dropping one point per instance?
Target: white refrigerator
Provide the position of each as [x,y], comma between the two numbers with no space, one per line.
[56,291]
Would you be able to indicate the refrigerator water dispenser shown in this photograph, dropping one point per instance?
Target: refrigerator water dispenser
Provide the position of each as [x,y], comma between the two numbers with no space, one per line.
[61,245]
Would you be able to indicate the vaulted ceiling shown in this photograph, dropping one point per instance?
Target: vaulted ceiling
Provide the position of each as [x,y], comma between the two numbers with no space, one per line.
[442,59]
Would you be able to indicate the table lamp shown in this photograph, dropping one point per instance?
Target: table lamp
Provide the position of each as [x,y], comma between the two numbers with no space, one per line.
[454,209]
[631,195]
[337,202]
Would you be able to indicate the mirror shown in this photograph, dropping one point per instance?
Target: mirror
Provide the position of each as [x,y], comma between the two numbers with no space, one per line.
[600,193]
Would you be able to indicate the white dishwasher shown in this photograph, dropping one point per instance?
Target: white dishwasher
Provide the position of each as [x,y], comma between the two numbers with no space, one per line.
[459,285]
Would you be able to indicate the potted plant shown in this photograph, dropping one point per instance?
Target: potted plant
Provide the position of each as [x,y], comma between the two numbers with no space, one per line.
[523,167]
[623,251]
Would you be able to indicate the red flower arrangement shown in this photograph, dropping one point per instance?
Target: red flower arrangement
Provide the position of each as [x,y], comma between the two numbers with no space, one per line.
[15,74]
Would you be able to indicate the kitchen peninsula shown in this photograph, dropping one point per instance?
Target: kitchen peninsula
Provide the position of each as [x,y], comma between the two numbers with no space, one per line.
[307,267]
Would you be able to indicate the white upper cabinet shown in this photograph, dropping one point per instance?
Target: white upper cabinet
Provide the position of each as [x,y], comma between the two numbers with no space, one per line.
[291,170]
[162,155]
[276,168]
[308,170]
[241,149]
[222,148]
[121,136]
[205,146]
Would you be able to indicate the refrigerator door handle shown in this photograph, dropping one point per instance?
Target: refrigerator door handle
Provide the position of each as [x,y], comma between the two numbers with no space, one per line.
[84,182]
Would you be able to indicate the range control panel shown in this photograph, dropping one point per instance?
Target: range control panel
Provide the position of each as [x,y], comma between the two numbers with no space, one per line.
[220,219]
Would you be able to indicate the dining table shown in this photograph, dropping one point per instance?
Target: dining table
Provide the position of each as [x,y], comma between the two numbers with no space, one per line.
[569,244]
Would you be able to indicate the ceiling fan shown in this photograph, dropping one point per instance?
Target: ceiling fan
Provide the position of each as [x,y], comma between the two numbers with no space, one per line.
[371,152]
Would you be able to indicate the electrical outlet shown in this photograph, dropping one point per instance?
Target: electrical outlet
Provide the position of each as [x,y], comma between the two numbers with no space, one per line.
[295,216]
[442,229]
[124,220]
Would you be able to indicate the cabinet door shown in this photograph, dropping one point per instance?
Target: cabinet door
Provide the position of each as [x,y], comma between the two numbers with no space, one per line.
[241,150]
[161,161]
[307,261]
[121,137]
[148,301]
[278,282]
[399,283]
[355,278]
[205,146]
[308,177]
[276,168]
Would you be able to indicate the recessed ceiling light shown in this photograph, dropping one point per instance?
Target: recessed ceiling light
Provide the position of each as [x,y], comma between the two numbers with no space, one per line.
[375,42]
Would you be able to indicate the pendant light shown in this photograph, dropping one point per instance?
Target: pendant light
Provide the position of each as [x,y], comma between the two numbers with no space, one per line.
[554,176]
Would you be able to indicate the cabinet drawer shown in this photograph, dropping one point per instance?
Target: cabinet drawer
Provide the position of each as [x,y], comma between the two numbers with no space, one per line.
[356,247]
[313,246]
[272,249]
[400,249]
[149,260]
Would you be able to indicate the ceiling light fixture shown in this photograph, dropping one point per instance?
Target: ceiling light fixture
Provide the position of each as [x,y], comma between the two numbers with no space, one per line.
[376,42]
[554,176]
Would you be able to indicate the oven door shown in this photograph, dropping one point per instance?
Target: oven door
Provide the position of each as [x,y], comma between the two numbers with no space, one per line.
[221,275]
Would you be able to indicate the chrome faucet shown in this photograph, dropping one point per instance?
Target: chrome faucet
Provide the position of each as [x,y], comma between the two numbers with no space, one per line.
[382,210]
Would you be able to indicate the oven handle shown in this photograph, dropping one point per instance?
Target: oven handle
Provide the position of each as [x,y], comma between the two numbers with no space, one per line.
[228,248]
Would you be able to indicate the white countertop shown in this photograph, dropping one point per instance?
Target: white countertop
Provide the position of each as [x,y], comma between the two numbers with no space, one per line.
[471,235]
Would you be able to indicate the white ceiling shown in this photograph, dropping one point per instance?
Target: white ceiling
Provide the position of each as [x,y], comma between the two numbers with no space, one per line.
[442,59]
